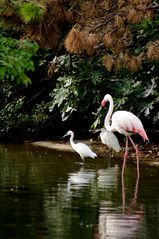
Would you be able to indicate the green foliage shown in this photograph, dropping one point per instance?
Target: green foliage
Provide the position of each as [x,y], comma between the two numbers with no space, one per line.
[81,83]
[65,96]
[20,120]
[78,93]
[31,12]
[138,93]
[9,115]
[145,32]
[74,90]
[28,11]
[81,88]
[16,59]
[39,114]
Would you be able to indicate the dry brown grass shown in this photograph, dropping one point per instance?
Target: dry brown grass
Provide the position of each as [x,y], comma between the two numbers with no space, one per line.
[153,50]
[93,24]
[108,62]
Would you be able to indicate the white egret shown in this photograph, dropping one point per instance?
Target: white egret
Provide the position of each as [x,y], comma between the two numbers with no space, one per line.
[109,138]
[82,149]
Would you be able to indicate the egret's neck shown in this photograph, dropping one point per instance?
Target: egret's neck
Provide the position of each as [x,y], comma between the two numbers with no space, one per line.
[110,111]
[71,140]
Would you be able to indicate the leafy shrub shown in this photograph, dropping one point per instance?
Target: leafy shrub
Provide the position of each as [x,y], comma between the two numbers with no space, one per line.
[20,120]
[80,89]
[16,59]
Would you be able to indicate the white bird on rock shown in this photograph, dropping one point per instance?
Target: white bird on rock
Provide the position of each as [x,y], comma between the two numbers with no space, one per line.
[125,123]
[109,138]
[82,149]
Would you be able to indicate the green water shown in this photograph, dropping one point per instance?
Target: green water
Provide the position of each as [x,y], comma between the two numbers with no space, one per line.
[49,194]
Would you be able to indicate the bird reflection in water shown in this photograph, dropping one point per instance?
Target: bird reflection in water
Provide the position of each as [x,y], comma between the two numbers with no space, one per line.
[78,180]
[124,224]
[134,199]
[107,178]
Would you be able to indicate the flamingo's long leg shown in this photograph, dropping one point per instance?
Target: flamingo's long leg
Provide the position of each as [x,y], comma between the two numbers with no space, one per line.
[125,156]
[137,155]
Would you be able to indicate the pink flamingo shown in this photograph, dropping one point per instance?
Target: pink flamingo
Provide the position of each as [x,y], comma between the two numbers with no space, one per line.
[125,123]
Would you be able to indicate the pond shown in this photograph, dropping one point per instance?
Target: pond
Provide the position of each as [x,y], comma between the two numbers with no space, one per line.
[47,194]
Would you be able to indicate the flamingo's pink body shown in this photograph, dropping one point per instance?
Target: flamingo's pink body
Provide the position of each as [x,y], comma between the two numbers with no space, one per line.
[125,123]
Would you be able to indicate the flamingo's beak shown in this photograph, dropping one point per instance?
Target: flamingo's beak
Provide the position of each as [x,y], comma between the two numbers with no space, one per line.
[103,103]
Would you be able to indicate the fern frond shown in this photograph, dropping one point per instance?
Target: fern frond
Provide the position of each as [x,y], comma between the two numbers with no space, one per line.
[31,12]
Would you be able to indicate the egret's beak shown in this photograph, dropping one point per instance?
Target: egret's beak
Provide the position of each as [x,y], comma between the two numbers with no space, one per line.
[102,129]
[98,130]
[65,135]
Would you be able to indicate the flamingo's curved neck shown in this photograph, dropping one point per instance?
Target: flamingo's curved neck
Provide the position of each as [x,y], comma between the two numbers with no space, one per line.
[110,111]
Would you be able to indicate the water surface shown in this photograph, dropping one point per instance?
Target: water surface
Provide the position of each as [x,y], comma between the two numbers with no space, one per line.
[50,194]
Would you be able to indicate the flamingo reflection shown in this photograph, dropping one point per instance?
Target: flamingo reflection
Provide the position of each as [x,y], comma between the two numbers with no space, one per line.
[124,224]
[134,199]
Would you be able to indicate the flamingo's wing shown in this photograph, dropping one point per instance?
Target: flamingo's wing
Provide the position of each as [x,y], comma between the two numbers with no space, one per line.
[126,122]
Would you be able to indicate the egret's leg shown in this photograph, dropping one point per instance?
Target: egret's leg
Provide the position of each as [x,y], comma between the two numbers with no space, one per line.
[125,156]
[137,155]
[109,158]
[82,157]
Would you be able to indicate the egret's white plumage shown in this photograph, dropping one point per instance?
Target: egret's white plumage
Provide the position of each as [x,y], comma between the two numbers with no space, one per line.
[82,149]
[109,138]
[125,123]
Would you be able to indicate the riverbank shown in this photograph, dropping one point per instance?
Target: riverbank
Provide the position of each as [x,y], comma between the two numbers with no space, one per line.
[149,153]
